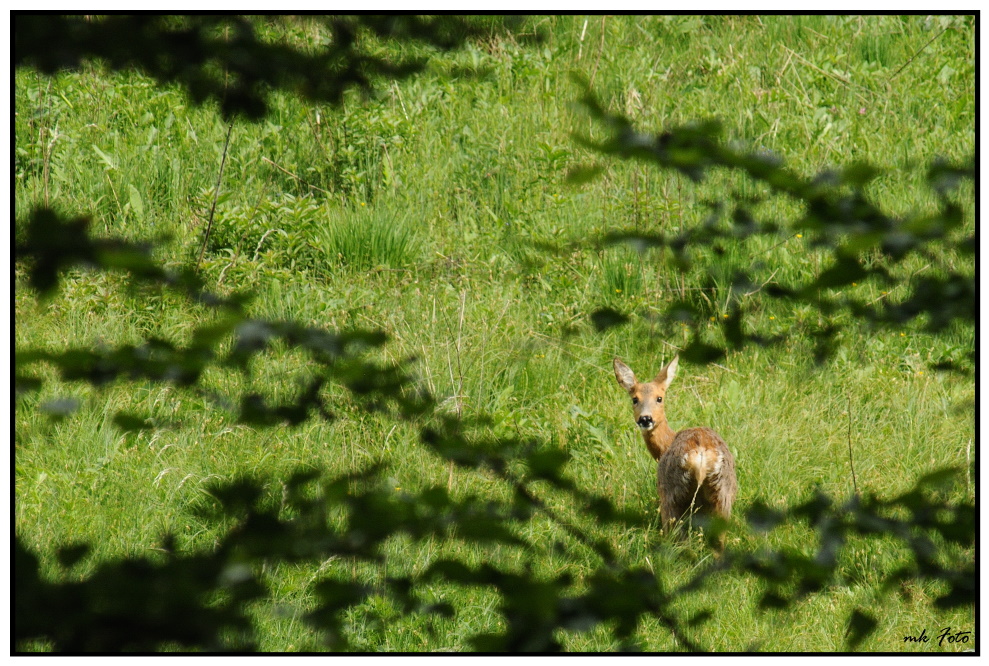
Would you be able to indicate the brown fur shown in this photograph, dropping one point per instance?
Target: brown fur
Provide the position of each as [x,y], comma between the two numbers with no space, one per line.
[695,470]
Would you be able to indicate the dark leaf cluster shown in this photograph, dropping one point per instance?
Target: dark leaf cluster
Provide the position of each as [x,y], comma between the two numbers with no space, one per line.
[925,524]
[838,216]
[223,58]
[201,600]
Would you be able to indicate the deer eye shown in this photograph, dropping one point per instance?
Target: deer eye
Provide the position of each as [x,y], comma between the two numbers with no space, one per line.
[635,401]
[660,399]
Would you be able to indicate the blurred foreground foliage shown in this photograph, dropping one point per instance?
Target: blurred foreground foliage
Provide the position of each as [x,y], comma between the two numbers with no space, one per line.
[202,601]
[836,215]
[224,59]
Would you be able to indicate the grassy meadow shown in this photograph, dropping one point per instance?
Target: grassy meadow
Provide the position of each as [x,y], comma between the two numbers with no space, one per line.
[438,211]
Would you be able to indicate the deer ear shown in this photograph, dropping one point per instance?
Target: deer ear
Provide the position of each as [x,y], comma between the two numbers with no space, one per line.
[666,375]
[624,375]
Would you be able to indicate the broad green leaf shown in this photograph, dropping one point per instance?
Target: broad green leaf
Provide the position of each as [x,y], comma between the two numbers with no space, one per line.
[106,158]
[136,203]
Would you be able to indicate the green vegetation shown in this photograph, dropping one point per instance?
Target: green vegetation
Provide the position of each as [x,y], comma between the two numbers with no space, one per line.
[440,212]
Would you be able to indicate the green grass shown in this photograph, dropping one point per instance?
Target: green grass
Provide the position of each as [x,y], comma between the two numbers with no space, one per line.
[367,240]
[425,213]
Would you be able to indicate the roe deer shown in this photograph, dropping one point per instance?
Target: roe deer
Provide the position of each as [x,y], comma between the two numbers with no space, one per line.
[695,470]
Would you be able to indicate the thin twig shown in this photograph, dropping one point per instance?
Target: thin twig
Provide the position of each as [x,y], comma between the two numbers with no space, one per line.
[46,172]
[113,191]
[836,77]
[600,51]
[460,374]
[580,49]
[968,467]
[216,195]
[301,180]
[682,274]
[401,102]
[851,463]
[883,296]
[785,240]
[317,135]
[760,287]
[261,242]
[910,60]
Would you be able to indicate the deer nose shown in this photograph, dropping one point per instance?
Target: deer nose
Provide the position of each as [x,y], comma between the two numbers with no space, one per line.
[645,421]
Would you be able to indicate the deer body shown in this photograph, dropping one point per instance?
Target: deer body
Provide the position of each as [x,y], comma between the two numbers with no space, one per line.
[695,470]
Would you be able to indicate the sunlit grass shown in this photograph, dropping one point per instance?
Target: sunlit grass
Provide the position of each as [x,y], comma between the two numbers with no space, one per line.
[438,212]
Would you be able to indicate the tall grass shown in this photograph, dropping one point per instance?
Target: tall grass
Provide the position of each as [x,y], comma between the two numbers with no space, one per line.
[365,240]
[460,184]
